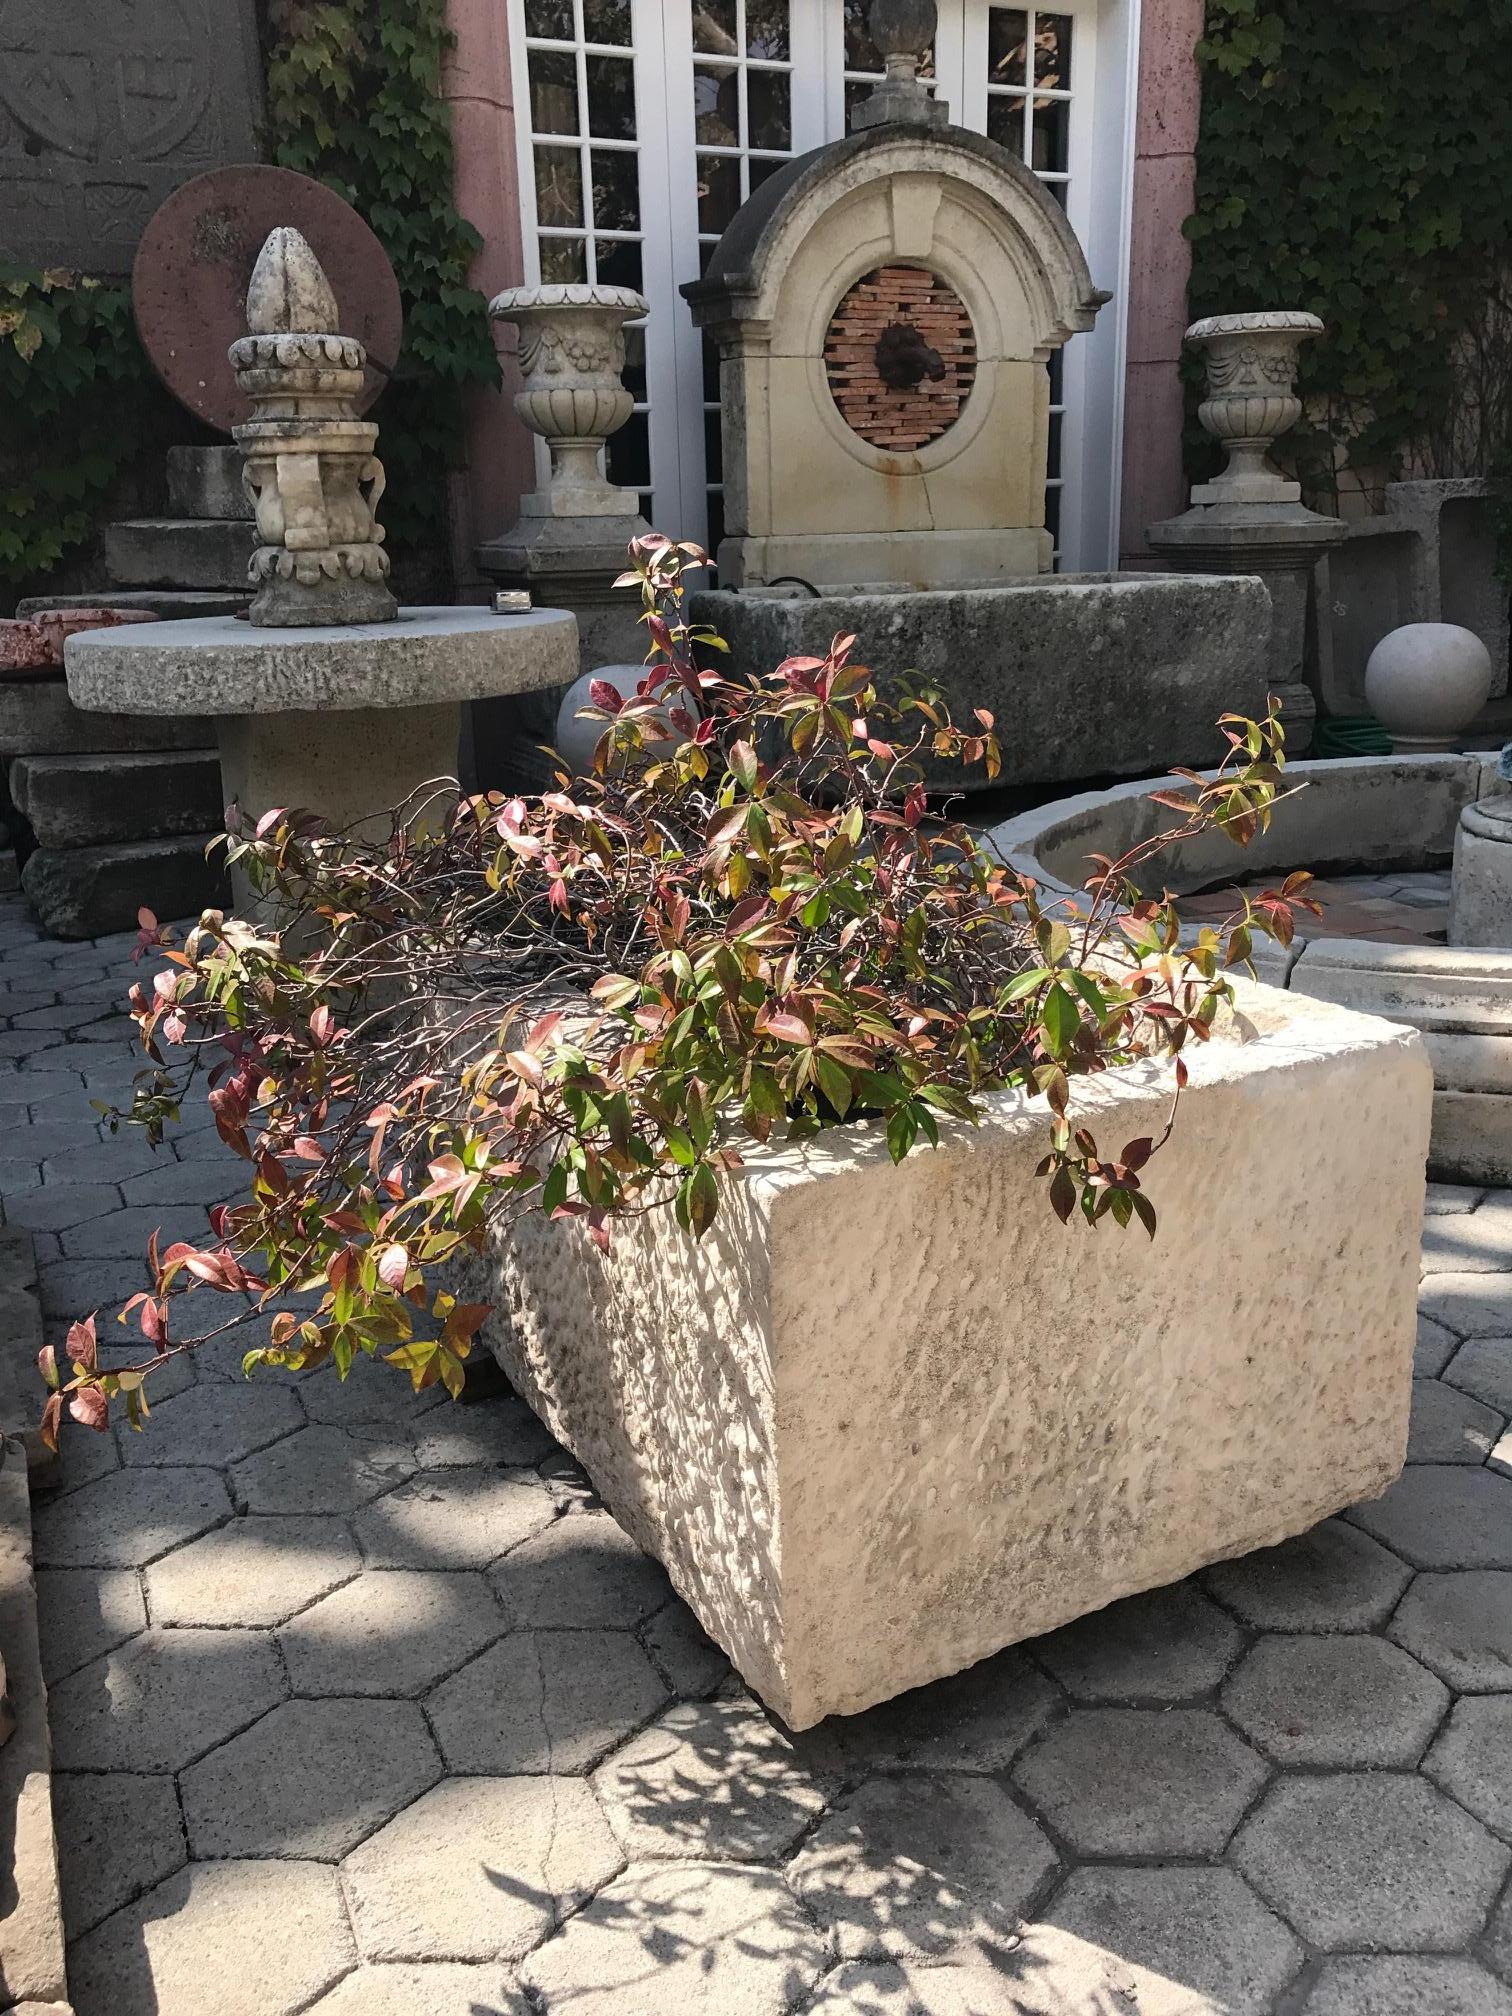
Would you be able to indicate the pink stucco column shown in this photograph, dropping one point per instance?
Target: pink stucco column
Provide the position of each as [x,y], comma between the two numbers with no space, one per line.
[1165,146]
[500,458]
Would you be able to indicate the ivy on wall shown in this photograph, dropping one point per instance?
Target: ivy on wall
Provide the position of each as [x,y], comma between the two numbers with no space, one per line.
[353,99]
[1355,159]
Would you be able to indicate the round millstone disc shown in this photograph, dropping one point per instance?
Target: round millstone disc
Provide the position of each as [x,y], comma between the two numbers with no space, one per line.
[189,282]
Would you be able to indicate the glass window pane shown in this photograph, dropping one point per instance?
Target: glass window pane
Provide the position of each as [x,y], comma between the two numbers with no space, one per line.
[619,264]
[713,467]
[706,251]
[1052,134]
[1054,458]
[616,191]
[563,260]
[715,32]
[1057,377]
[635,341]
[855,94]
[553,91]
[629,458]
[767,30]
[1057,190]
[716,526]
[559,186]
[761,170]
[551,18]
[710,367]
[1052,511]
[718,192]
[1005,123]
[611,98]
[716,106]
[1052,51]
[607,21]
[861,53]
[768,108]
[1007,45]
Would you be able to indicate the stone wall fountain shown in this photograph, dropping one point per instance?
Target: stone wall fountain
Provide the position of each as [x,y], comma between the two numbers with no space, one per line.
[885,309]
[330,697]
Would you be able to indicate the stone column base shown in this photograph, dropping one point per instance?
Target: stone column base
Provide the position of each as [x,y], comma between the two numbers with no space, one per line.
[1480,901]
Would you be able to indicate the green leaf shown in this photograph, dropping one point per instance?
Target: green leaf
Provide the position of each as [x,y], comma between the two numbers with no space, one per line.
[1059,1019]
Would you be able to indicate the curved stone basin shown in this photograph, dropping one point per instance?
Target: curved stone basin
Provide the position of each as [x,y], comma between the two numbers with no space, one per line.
[1380,815]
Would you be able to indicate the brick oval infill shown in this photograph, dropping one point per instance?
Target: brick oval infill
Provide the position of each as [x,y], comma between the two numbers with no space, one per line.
[899,420]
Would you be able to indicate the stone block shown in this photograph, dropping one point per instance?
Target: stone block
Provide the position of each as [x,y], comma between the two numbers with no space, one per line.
[109,112]
[85,892]
[1084,674]
[83,801]
[179,552]
[207,483]
[856,1549]
[37,718]
[168,605]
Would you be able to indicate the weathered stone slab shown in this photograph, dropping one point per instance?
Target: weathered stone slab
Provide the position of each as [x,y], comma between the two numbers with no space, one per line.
[84,892]
[200,553]
[106,110]
[37,718]
[856,1550]
[1084,674]
[207,483]
[82,801]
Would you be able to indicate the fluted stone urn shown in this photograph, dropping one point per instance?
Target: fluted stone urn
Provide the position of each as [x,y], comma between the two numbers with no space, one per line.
[311,472]
[1251,363]
[572,355]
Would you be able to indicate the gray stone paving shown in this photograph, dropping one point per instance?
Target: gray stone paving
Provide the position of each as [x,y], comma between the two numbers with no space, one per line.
[363,1707]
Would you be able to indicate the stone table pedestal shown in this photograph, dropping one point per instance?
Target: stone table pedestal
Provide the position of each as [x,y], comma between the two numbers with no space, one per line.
[1480,902]
[347,722]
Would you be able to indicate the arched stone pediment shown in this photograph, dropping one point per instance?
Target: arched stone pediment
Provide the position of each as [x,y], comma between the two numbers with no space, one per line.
[842,471]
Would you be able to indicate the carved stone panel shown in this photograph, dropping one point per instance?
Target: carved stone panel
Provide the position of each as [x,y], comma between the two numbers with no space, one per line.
[106,106]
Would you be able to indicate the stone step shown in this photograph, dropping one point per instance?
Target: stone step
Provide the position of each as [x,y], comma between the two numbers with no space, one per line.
[83,801]
[37,718]
[179,552]
[207,483]
[172,605]
[87,892]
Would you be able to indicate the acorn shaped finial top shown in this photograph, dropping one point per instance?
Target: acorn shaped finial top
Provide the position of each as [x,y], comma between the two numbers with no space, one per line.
[289,294]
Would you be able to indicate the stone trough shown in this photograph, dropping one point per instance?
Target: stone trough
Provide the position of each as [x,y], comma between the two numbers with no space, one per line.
[1364,815]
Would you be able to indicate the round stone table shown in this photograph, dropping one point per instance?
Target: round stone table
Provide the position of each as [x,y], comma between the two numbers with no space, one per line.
[347,721]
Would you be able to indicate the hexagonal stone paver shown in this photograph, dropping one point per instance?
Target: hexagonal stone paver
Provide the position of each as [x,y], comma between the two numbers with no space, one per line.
[1443,1516]
[162,1699]
[84,1453]
[502,1431]
[393,1631]
[1371,1862]
[544,1701]
[582,1571]
[444,1988]
[683,1652]
[710,1779]
[478,1869]
[978,1720]
[1163,1646]
[127,1519]
[1471,1305]
[1407,1986]
[455,1519]
[1482,1366]
[1478,1242]
[311,1780]
[1152,1941]
[911,1865]
[1448,1426]
[993,1983]
[253,1571]
[1461,1626]
[680,1942]
[332,1470]
[1472,1759]
[122,1828]
[1334,1578]
[1141,1781]
[1345,1700]
[84,1612]
[1434,1348]
[215,1424]
[217,1939]
[373,1395]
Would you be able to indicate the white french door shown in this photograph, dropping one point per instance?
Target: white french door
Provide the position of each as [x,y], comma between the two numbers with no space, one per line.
[642,126]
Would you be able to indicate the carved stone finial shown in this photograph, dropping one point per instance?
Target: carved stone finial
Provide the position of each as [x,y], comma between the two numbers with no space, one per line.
[310,472]
[289,294]
[902,31]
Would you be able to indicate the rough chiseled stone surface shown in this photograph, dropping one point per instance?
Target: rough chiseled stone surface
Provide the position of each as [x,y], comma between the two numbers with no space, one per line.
[503,1772]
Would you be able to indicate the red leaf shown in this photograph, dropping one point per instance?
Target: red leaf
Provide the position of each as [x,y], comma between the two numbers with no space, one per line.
[52,1415]
[90,1407]
[915,804]
[393,1267]
[80,1345]
[603,695]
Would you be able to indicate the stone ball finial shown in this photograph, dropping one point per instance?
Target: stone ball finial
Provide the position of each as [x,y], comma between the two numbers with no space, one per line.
[902,31]
[289,294]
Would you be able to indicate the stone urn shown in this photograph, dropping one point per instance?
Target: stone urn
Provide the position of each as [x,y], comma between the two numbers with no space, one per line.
[572,354]
[1251,363]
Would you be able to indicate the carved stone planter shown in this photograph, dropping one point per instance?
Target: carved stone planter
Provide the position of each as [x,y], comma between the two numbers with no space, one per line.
[1251,365]
[572,354]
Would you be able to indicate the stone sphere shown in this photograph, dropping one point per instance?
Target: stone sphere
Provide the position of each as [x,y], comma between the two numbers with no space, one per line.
[576,739]
[1426,682]
[902,27]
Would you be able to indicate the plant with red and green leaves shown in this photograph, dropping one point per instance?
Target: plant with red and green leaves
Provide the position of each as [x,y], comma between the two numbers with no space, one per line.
[745,924]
